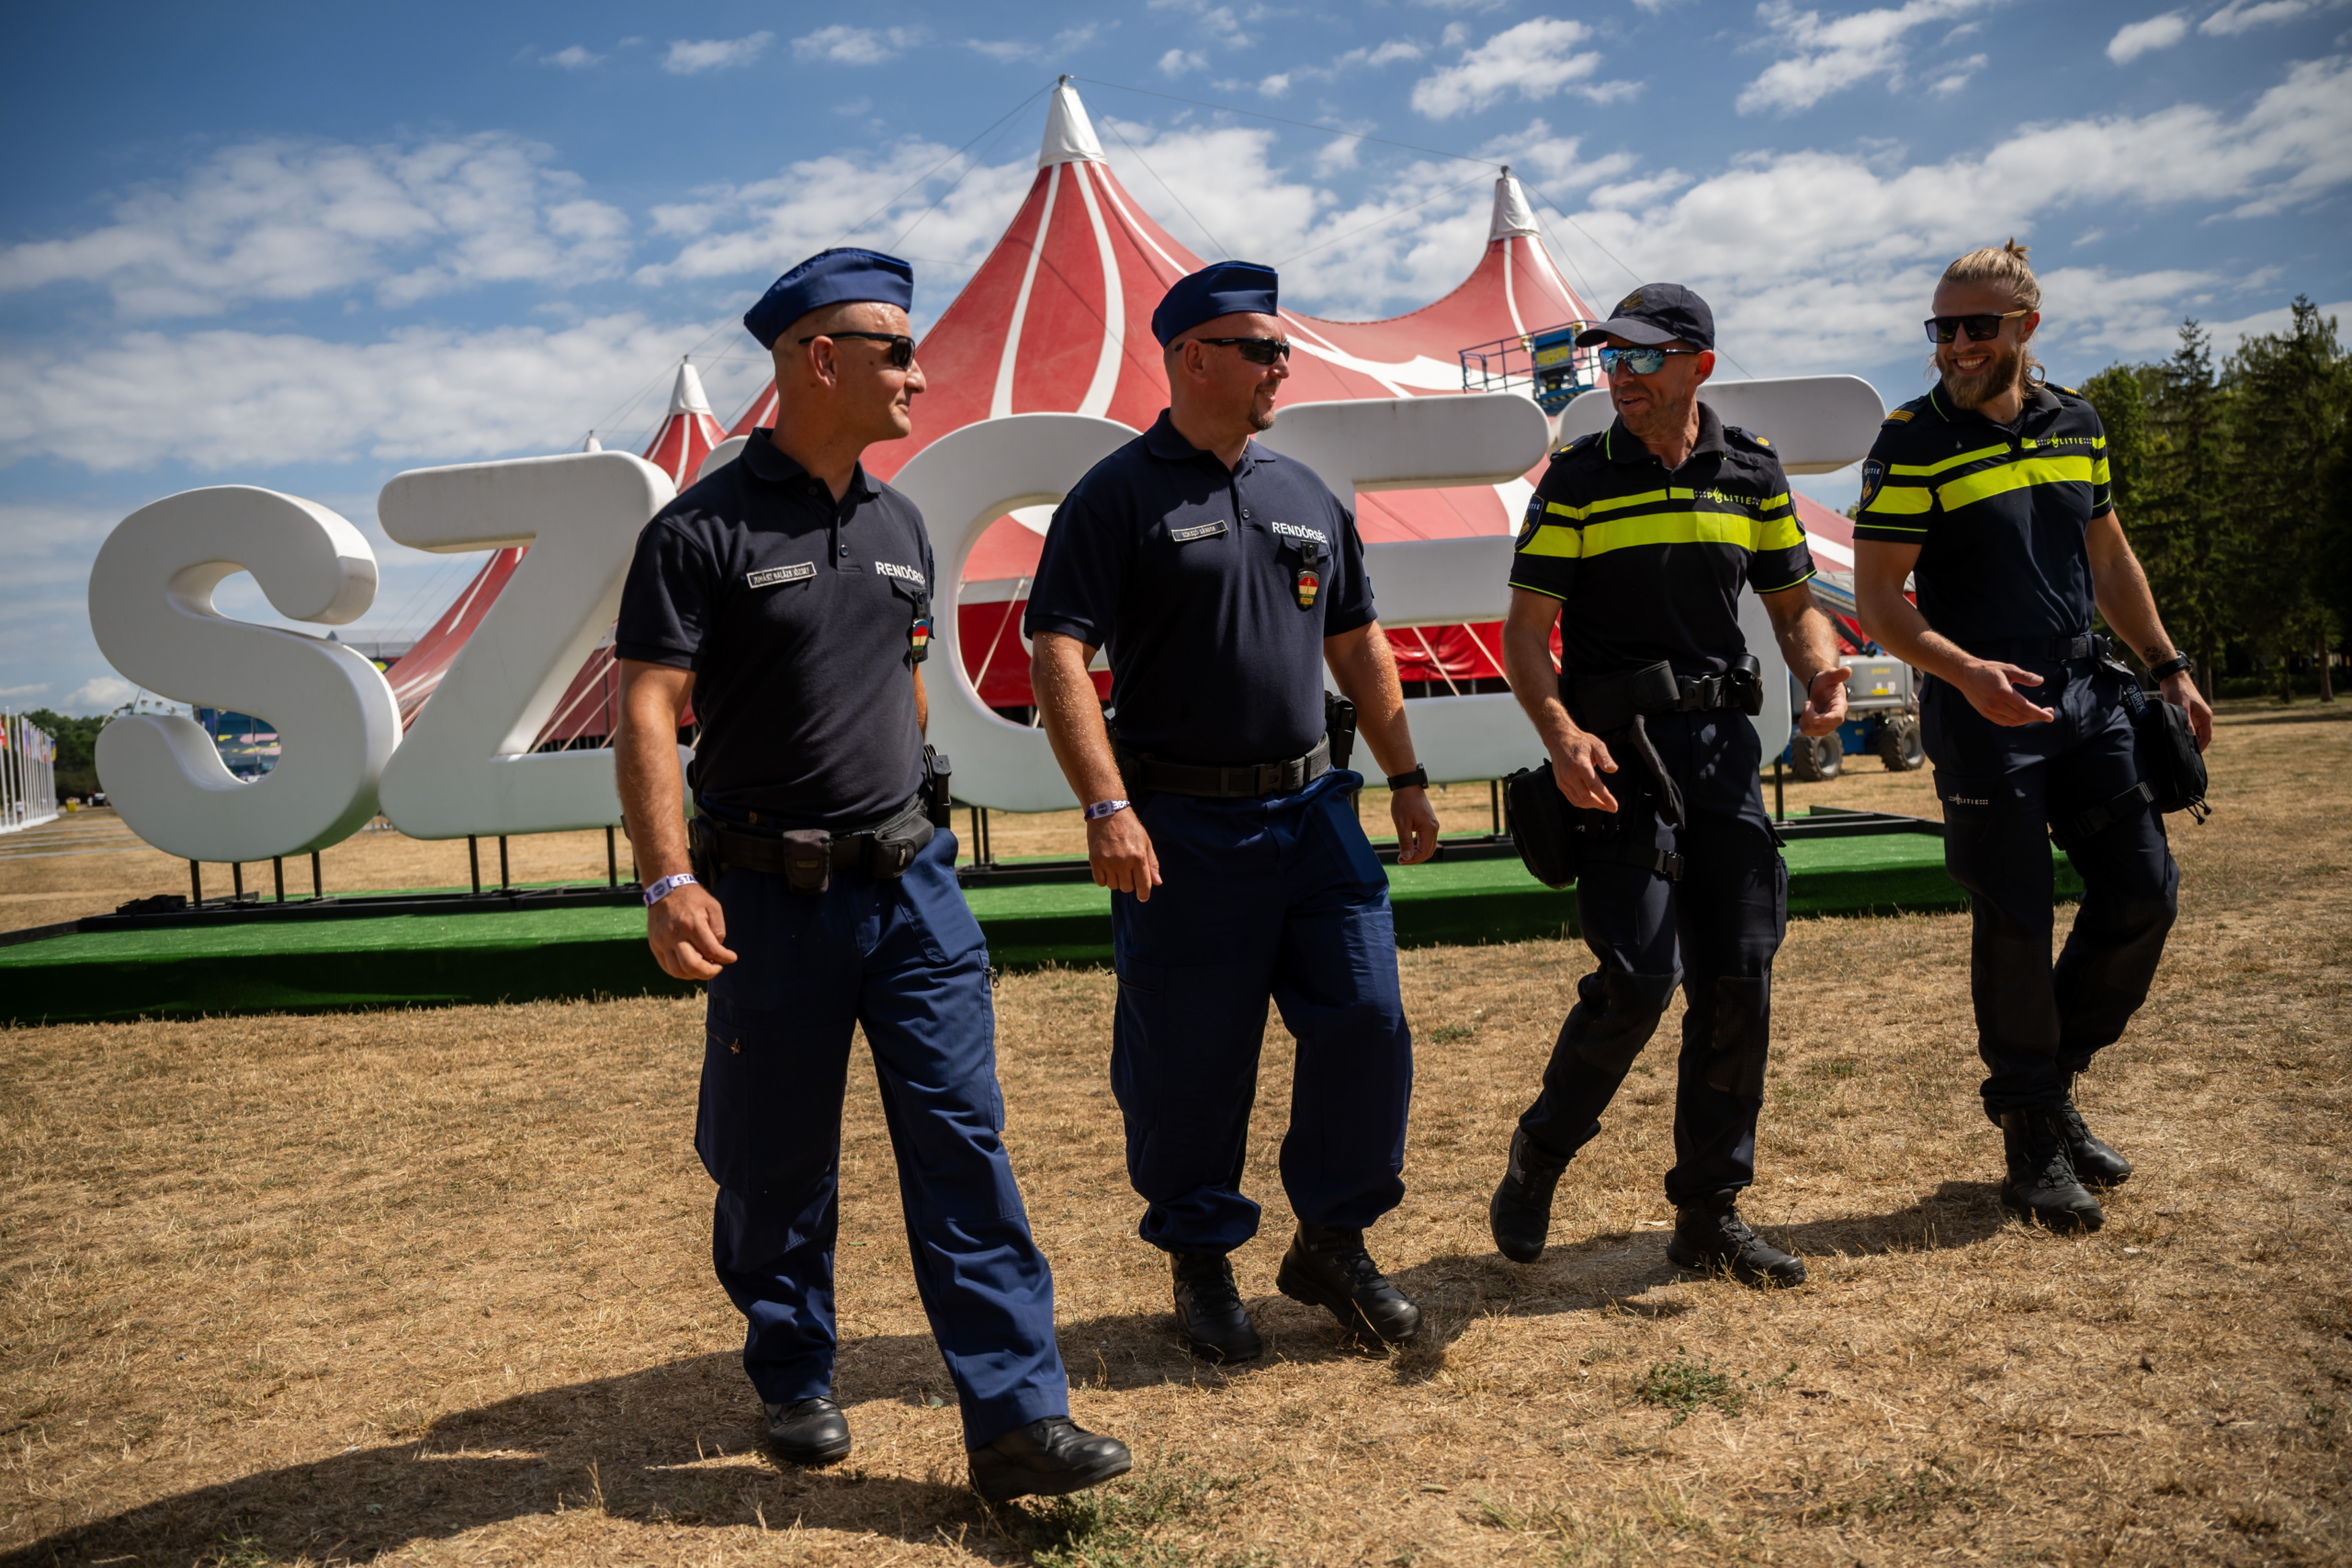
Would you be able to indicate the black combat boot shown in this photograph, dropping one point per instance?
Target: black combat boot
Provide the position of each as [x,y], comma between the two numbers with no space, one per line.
[1521,1215]
[2041,1183]
[1710,1236]
[1051,1458]
[1215,1324]
[2096,1164]
[1328,1267]
[808,1431]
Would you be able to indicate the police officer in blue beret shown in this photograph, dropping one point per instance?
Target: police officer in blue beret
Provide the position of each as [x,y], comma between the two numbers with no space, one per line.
[1991,497]
[1222,580]
[788,598]
[1637,545]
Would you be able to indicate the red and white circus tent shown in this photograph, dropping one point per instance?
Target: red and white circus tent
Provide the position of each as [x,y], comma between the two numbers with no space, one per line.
[1059,320]
[687,434]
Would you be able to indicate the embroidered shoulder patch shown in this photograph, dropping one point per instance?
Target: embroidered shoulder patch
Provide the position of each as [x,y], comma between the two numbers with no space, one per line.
[776,574]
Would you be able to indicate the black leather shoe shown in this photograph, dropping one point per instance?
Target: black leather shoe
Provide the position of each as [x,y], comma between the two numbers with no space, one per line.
[810,1431]
[1711,1237]
[2041,1185]
[1046,1459]
[2096,1164]
[1328,1267]
[1209,1313]
[1521,1213]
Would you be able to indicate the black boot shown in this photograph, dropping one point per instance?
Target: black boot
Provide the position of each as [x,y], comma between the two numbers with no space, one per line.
[1521,1215]
[2041,1183]
[1328,1267]
[1046,1459]
[1710,1236]
[2096,1164]
[810,1431]
[1215,1324]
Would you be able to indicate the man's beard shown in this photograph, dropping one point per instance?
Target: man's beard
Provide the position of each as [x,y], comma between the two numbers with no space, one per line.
[1261,422]
[2006,371]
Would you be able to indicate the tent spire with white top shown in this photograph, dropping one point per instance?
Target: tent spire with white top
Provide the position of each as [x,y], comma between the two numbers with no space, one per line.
[686,395]
[1069,135]
[1512,217]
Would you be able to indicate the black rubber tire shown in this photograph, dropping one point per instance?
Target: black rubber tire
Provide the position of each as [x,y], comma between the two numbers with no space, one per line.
[1814,760]
[1899,745]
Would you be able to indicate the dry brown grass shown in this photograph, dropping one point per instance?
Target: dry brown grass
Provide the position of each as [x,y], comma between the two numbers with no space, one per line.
[434,1286]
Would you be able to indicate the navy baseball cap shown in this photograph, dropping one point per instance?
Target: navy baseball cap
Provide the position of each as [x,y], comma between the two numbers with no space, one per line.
[1222,290]
[837,277]
[1653,313]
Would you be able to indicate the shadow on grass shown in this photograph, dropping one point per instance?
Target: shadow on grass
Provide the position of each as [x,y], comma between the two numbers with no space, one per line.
[2321,717]
[668,1445]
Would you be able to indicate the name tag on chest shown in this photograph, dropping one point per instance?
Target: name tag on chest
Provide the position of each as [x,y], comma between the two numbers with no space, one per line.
[770,576]
[1203,531]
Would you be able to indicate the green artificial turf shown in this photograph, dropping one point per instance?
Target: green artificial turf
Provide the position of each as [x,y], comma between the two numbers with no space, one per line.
[429,960]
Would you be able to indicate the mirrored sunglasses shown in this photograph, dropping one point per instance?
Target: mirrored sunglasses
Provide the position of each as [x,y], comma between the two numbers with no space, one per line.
[1639,361]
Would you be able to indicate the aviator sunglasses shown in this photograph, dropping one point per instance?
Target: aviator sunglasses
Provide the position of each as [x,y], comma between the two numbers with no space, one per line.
[902,347]
[1982,328]
[1638,361]
[1256,350]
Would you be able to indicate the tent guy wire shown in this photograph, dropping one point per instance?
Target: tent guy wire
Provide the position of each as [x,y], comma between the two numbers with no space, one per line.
[1302,124]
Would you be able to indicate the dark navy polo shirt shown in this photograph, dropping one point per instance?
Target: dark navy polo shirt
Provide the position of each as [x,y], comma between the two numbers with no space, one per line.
[1190,576]
[2000,515]
[802,620]
[1649,565]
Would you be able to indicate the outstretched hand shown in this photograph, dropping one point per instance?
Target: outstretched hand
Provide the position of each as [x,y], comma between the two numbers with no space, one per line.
[1990,688]
[1825,702]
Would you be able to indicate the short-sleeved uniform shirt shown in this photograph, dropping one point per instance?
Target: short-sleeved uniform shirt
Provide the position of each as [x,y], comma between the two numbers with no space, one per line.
[2000,515]
[802,620]
[1649,565]
[1212,592]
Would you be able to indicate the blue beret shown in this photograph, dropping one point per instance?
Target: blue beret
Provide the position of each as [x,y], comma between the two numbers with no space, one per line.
[1219,290]
[837,277]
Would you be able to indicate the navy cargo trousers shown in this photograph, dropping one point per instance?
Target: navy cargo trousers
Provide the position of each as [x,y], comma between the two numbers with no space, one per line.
[905,959]
[1713,934]
[2002,787]
[1278,897]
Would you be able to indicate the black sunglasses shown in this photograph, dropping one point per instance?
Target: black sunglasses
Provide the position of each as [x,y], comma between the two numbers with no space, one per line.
[1256,350]
[1982,328]
[902,347]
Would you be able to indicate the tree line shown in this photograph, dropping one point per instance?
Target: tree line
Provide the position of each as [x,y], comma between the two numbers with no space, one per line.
[2234,484]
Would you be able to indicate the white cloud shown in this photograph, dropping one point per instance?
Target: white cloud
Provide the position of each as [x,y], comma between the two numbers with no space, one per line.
[1956,76]
[856,45]
[1275,86]
[101,694]
[2135,38]
[292,221]
[688,56]
[1536,59]
[1834,53]
[30,689]
[1177,62]
[2245,16]
[575,58]
[1005,51]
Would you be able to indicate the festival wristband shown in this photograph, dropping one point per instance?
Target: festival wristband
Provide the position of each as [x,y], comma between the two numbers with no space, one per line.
[1101,808]
[667,885]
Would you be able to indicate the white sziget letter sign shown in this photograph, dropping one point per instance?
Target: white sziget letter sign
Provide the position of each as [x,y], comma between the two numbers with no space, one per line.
[150,609]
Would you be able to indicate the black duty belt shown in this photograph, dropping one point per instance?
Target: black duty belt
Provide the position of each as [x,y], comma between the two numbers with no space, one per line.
[2045,649]
[1145,774]
[1605,703]
[884,850]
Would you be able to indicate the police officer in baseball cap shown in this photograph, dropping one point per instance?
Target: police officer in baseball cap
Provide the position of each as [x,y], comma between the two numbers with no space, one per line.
[1637,545]
[788,598]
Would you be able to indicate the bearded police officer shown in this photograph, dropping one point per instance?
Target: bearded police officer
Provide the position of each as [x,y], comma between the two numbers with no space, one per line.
[788,597]
[1637,545]
[1222,579]
[1992,493]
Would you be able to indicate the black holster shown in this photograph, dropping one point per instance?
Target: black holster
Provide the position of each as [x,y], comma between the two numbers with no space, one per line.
[938,776]
[1339,727]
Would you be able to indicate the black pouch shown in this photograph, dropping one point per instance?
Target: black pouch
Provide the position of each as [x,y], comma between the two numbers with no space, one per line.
[2170,764]
[896,843]
[1743,683]
[1542,825]
[1612,701]
[1339,727]
[938,776]
[808,858]
[702,853]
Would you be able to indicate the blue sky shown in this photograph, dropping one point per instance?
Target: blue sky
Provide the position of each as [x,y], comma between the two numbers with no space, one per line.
[308,246]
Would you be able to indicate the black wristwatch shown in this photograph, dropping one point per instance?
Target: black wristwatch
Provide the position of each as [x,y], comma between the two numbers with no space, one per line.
[1418,779]
[2170,667]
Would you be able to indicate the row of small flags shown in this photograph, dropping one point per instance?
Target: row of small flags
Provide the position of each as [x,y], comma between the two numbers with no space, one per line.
[21,737]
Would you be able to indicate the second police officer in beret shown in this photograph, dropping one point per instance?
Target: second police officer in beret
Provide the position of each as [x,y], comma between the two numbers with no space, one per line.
[1221,579]
[787,597]
[1638,544]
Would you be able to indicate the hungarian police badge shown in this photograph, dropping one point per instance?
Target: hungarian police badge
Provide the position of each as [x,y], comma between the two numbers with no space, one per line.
[918,638]
[1308,585]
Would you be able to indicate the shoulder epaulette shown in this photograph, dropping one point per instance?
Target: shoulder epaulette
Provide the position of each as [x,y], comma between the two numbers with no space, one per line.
[1747,439]
[1580,442]
[2061,391]
[1898,416]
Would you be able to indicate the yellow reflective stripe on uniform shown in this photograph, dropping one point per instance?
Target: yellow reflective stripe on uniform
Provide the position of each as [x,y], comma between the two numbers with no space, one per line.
[1901,500]
[1552,540]
[1779,533]
[1774,502]
[1675,528]
[1608,503]
[2019,475]
[2099,474]
[2099,442]
[1913,470]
